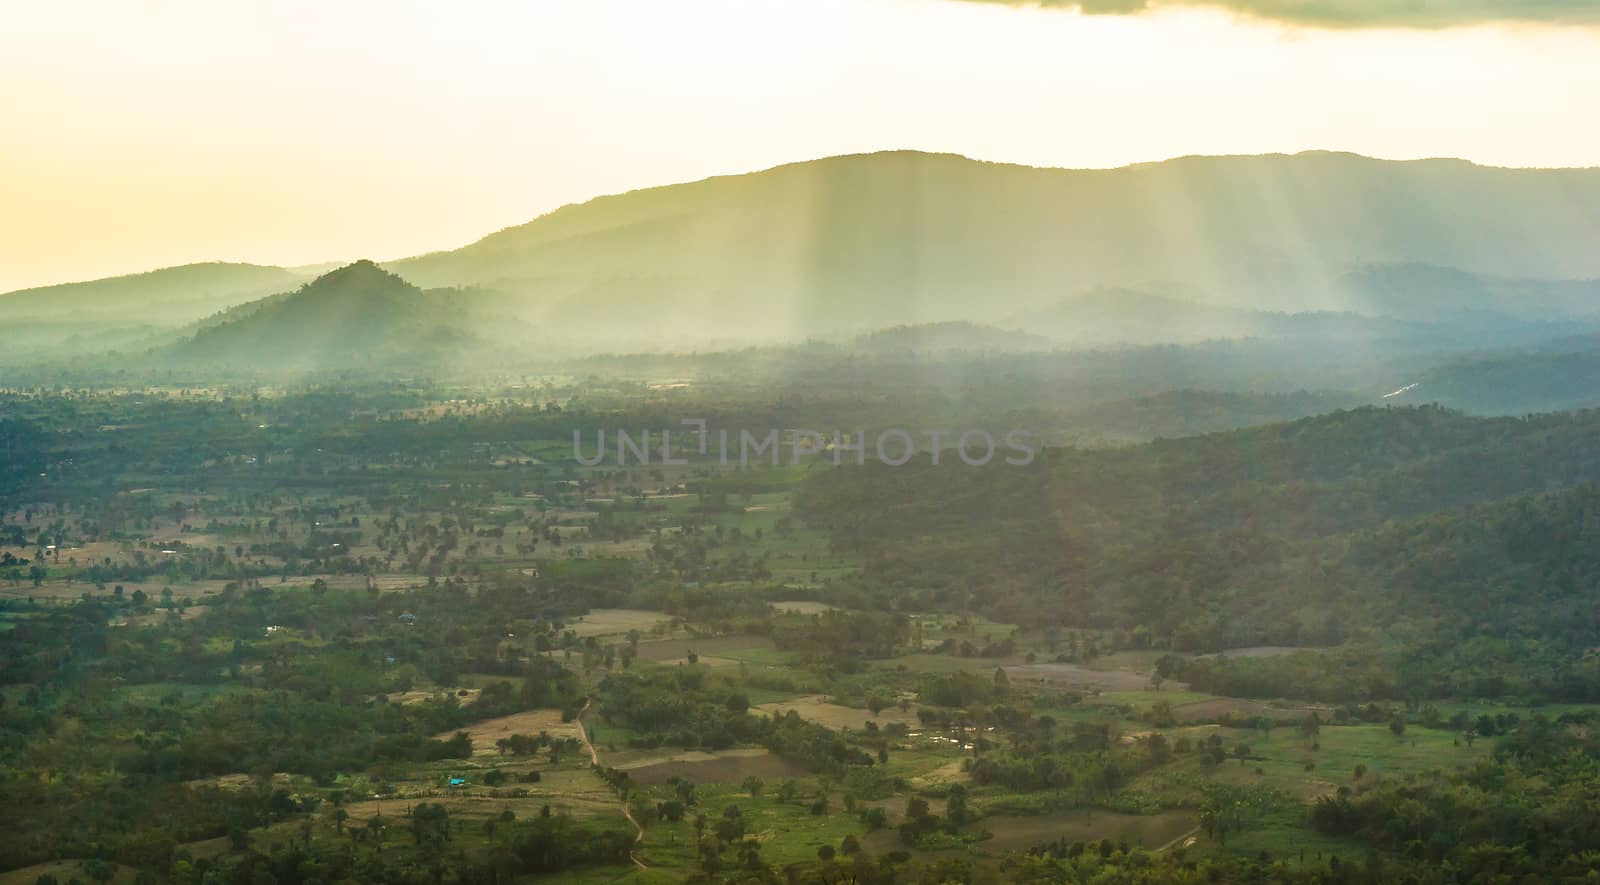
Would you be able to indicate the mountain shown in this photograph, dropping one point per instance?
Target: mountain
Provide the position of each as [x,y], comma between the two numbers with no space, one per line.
[949,336]
[1485,319]
[1132,317]
[169,297]
[1512,381]
[903,238]
[1180,413]
[1427,293]
[357,316]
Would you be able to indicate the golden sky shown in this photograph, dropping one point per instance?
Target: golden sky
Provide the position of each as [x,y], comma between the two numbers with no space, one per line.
[137,134]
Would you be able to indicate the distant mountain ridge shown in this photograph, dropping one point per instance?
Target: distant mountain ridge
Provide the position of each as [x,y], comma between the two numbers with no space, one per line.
[1133,317]
[1428,293]
[905,238]
[956,335]
[170,296]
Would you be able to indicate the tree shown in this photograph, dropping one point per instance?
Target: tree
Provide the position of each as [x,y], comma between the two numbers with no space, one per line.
[430,826]
[730,827]
[1311,726]
[750,854]
[754,785]
[956,805]
[1158,748]
[874,818]
[916,808]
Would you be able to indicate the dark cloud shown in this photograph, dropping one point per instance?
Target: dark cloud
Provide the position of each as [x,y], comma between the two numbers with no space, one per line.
[1356,13]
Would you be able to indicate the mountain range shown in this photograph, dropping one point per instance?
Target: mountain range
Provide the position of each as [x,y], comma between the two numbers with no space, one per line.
[884,239]
[1324,251]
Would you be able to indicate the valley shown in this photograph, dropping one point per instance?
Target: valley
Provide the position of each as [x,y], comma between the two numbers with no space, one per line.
[386,626]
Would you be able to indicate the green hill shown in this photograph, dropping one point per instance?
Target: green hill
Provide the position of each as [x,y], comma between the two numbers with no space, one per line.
[357,316]
[1276,535]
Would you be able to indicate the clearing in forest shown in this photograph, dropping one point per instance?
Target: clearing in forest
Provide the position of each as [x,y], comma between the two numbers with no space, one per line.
[487,733]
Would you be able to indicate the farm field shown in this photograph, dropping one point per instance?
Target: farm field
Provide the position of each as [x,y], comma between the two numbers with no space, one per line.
[719,766]
[817,709]
[1015,834]
[611,622]
[533,722]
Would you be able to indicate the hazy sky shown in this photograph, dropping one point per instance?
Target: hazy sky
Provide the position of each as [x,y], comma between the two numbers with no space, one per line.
[136,134]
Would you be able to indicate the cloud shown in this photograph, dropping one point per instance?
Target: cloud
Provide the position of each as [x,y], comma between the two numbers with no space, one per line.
[1354,13]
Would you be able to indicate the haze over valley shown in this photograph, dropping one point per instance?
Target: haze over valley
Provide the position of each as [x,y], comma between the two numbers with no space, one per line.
[851,442]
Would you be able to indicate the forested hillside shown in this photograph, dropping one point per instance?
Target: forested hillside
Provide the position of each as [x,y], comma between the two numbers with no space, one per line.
[1356,527]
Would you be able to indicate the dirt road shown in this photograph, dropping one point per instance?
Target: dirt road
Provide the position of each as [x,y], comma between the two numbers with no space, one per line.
[594,759]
